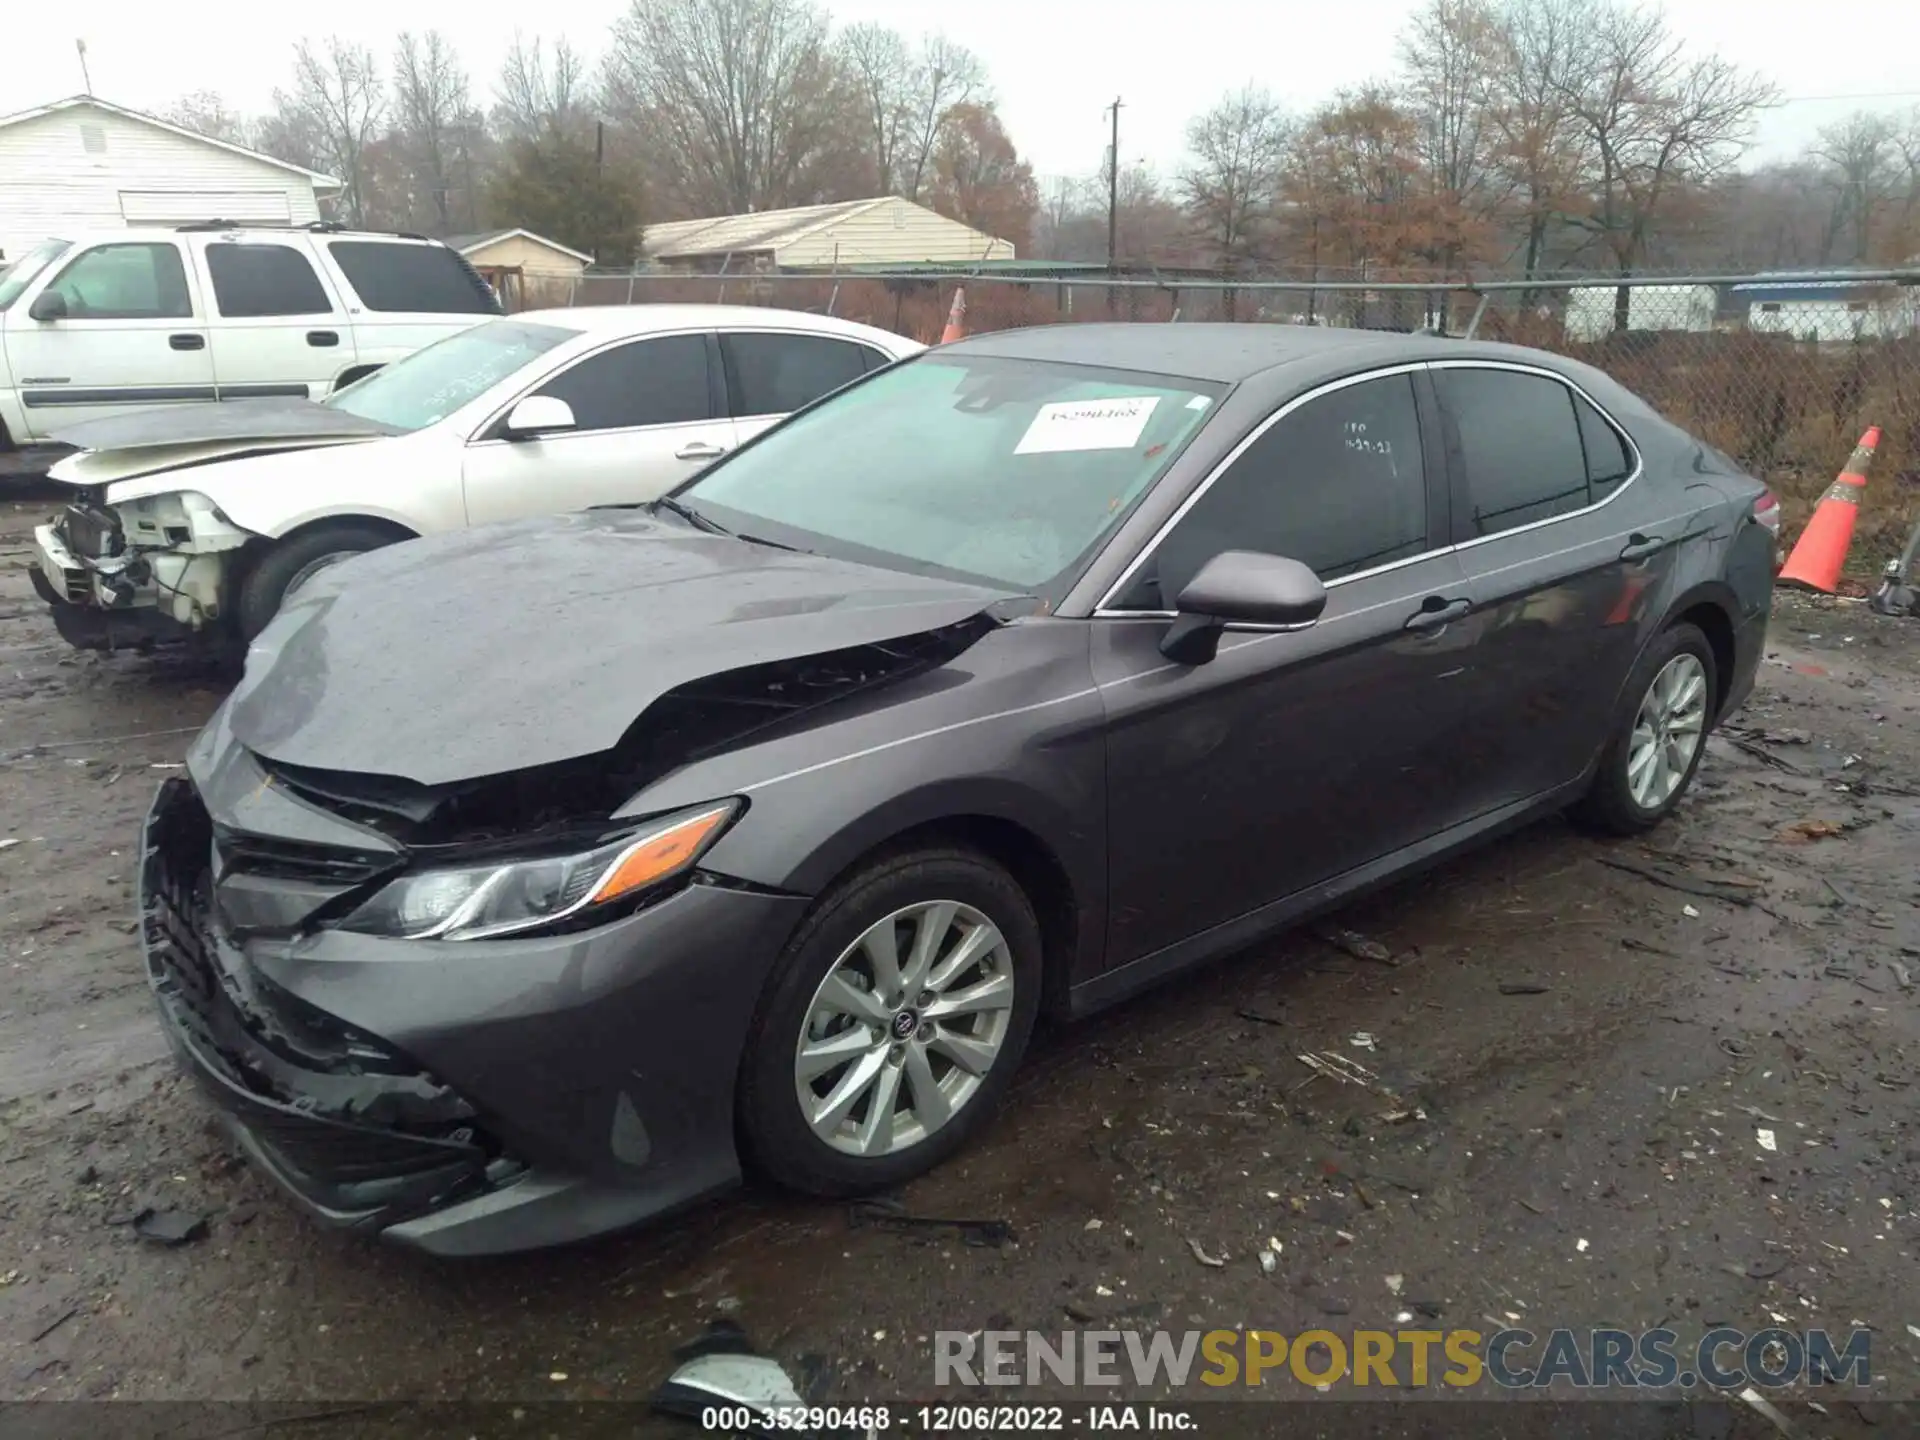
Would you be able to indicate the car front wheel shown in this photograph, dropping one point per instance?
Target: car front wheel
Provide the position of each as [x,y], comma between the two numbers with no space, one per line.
[293,562]
[892,1025]
[1656,746]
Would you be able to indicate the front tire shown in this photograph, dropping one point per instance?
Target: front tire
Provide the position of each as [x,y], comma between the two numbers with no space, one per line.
[1657,744]
[293,562]
[892,1025]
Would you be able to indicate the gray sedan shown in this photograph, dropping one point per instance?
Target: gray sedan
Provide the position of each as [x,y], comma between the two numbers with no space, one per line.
[542,878]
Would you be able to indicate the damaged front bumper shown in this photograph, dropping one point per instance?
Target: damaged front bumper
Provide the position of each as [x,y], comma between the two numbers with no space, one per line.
[153,570]
[462,1098]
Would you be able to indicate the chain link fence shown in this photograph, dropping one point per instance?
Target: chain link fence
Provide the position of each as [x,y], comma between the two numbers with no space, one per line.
[1782,373]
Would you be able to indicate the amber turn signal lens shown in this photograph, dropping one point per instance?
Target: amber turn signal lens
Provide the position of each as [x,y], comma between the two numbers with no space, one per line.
[653,858]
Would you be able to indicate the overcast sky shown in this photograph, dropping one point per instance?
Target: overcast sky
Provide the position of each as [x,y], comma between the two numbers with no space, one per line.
[1055,63]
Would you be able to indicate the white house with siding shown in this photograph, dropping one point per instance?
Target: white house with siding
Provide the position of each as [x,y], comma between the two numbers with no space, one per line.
[84,164]
[886,230]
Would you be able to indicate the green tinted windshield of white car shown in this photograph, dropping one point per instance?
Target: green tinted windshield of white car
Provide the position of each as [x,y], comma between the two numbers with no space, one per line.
[1007,470]
[432,383]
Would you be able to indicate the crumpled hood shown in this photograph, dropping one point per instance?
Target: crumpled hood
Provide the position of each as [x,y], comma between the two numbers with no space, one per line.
[510,646]
[218,422]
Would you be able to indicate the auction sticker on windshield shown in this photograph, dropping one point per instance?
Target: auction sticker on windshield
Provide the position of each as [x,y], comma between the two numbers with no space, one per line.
[1113,424]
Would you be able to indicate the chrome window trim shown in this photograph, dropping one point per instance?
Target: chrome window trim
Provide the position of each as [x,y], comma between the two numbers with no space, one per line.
[1105,611]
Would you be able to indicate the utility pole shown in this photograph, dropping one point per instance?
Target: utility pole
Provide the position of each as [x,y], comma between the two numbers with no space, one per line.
[1113,188]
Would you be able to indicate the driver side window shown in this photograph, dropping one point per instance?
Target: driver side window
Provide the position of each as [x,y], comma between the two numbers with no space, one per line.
[1338,484]
[126,282]
[649,382]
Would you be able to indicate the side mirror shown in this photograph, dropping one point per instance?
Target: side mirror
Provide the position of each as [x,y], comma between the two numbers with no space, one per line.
[539,415]
[48,305]
[1241,590]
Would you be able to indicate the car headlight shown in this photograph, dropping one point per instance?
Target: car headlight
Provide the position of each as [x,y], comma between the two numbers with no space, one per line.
[475,902]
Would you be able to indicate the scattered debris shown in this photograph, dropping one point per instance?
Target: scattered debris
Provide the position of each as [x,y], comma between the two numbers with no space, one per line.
[8,844]
[1335,1065]
[1633,942]
[1767,1409]
[53,1325]
[1353,943]
[1361,1040]
[1524,988]
[1767,1140]
[891,1215]
[753,1382]
[170,1227]
[1674,879]
[1394,1282]
[1093,1224]
[1690,912]
[1801,831]
[1200,1254]
[1260,1019]
[1268,1261]
[1581,1246]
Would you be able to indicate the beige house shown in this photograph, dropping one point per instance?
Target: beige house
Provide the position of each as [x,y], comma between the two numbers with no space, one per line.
[526,270]
[883,231]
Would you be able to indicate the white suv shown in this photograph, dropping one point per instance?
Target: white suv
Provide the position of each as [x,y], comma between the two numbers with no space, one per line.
[121,320]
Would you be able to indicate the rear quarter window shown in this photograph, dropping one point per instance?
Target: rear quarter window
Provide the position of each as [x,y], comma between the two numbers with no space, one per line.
[392,277]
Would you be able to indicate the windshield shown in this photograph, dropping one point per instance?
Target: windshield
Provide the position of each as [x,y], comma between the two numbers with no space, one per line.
[15,278]
[431,384]
[1006,471]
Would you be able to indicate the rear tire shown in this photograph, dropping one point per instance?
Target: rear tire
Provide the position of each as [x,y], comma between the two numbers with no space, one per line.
[294,561]
[908,1073]
[1658,741]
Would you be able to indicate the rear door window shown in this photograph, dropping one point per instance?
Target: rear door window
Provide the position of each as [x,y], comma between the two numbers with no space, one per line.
[1519,441]
[649,382]
[1338,484]
[255,280]
[775,374]
[392,276]
[1609,460]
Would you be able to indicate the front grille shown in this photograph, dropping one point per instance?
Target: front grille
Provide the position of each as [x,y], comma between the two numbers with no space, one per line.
[292,860]
[329,1101]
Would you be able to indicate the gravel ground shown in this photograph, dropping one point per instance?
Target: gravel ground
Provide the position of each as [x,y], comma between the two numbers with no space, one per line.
[1574,1063]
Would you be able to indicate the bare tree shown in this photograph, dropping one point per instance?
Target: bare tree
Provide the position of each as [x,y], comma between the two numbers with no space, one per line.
[1447,56]
[433,111]
[205,112]
[1231,183]
[540,90]
[906,95]
[1858,156]
[1658,123]
[337,104]
[742,102]
[1540,148]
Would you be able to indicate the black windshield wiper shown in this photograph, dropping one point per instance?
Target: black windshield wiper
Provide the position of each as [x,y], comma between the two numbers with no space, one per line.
[772,544]
[692,516]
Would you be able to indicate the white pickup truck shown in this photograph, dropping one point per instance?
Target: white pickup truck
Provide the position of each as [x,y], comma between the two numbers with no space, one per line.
[118,320]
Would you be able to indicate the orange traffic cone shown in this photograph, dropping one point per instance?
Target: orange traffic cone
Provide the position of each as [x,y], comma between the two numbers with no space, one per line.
[956,317]
[1821,551]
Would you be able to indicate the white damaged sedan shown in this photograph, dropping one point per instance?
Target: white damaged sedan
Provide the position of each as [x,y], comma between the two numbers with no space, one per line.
[197,521]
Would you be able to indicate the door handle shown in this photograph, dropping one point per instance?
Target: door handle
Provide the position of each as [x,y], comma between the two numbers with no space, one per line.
[1639,546]
[699,450]
[322,339]
[1437,612]
[187,342]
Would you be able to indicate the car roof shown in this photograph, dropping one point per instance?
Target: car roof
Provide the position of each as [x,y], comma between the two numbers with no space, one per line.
[263,232]
[606,321]
[1226,353]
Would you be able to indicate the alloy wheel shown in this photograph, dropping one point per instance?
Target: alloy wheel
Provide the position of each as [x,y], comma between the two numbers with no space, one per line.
[312,568]
[904,1028]
[1667,731]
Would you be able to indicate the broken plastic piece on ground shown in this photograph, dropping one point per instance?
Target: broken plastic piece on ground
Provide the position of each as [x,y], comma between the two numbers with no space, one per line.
[1355,944]
[890,1215]
[1523,988]
[721,1337]
[170,1227]
[1200,1254]
[752,1381]
[1803,830]
[1766,1408]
